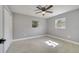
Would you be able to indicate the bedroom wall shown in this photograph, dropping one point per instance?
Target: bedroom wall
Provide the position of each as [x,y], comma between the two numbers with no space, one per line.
[22,26]
[72,26]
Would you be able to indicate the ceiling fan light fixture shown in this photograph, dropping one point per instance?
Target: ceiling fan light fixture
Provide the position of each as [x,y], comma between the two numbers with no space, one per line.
[44,9]
[43,13]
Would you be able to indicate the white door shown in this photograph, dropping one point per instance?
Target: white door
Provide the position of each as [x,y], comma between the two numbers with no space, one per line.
[1,23]
[7,29]
[1,28]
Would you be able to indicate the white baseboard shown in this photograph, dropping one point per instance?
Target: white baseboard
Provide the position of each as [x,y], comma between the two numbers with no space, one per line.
[28,38]
[70,41]
[51,36]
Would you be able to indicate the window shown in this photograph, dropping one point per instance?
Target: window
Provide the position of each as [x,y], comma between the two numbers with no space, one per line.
[60,23]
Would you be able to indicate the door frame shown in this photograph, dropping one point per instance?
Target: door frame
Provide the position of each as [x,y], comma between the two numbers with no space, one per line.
[9,12]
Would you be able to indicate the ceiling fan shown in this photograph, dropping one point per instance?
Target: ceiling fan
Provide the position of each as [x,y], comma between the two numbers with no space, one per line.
[44,9]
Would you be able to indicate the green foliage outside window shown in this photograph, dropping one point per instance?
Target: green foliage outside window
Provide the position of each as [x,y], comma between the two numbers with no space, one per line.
[34,24]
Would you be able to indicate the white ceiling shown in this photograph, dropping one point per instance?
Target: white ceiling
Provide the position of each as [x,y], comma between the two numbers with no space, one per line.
[30,10]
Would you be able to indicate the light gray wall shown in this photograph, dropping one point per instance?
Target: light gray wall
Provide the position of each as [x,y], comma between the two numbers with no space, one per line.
[22,26]
[72,26]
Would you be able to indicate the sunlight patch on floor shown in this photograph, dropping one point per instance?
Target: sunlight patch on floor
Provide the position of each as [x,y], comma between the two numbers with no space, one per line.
[51,43]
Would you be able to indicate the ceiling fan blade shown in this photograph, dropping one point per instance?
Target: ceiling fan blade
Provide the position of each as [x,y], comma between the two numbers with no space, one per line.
[49,11]
[49,7]
[39,7]
[38,12]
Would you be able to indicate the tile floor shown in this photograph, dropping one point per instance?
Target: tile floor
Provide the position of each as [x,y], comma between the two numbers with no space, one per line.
[39,45]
